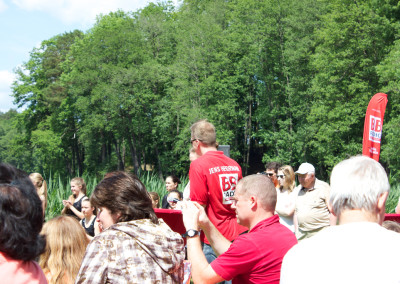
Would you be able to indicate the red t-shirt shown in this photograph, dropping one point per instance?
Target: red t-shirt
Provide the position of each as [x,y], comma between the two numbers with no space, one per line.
[213,178]
[256,257]
[18,271]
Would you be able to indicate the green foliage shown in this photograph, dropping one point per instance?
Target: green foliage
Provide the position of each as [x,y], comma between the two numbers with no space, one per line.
[281,80]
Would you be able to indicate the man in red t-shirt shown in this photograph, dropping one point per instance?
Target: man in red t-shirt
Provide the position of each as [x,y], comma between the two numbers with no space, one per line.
[213,178]
[255,257]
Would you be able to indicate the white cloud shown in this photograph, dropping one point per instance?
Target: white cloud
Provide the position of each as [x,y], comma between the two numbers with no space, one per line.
[6,79]
[81,12]
[3,6]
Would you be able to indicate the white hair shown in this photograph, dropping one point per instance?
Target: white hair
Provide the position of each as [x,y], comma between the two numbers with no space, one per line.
[357,183]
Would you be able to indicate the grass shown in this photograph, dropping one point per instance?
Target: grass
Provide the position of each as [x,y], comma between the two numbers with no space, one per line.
[59,189]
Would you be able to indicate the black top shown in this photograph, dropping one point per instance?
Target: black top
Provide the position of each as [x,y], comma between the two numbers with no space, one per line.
[164,203]
[89,230]
[78,206]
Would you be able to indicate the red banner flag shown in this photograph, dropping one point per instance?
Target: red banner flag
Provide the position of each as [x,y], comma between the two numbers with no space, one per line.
[373,126]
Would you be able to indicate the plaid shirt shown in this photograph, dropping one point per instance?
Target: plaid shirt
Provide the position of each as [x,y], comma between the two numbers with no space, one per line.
[138,251]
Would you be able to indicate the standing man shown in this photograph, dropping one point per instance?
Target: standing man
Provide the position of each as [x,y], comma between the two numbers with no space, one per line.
[311,213]
[358,250]
[255,257]
[213,178]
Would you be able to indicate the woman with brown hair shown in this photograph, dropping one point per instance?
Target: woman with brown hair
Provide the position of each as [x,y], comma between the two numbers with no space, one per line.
[41,188]
[286,196]
[66,243]
[135,246]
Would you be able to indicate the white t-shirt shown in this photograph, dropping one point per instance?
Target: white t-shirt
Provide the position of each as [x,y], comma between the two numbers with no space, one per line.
[285,205]
[362,252]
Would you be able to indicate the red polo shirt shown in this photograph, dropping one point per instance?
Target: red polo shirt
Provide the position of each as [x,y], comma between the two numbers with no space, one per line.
[256,257]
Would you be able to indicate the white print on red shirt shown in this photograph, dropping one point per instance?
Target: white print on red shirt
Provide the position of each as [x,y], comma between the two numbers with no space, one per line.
[228,185]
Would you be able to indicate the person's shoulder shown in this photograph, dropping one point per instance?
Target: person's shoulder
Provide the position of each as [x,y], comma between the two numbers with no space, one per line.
[321,184]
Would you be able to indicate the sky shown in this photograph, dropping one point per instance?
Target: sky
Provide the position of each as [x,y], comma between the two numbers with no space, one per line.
[24,24]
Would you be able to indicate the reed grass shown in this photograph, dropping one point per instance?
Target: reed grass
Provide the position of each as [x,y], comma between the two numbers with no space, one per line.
[59,189]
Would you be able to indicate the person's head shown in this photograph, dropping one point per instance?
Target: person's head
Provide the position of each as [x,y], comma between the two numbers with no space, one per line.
[286,178]
[254,193]
[171,182]
[271,170]
[155,199]
[203,132]
[38,181]
[66,243]
[391,225]
[78,185]
[21,215]
[306,175]
[359,183]
[173,197]
[121,198]
[87,209]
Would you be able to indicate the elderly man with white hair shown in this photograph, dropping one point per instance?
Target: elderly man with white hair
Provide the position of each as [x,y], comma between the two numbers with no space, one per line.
[311,211]
[358,250]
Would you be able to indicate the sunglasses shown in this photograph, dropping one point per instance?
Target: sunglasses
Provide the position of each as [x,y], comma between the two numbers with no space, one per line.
[173,200]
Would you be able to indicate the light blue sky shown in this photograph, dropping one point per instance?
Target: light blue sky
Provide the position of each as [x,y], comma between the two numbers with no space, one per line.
[24,24]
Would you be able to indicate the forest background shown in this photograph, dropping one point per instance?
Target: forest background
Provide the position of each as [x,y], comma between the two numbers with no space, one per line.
[281,80]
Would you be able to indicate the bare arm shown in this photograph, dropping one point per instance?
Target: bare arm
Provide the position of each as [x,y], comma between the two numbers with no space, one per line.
[68,204]
[218,242]
[202,272]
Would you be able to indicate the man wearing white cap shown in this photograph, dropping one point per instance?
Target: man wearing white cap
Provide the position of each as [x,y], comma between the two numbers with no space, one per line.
[311,213]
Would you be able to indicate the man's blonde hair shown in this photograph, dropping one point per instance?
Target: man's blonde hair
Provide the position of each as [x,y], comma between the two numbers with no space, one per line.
[204,131]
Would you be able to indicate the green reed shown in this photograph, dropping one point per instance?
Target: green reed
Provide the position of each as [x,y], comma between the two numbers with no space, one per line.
[59,189]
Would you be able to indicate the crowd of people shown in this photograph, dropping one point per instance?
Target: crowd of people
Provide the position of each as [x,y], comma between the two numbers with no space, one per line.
[261,228]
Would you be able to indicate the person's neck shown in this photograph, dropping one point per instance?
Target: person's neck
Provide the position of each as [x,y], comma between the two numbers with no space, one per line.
[80,195]
[260,216]
[357,215]
[204,150]
[88,219]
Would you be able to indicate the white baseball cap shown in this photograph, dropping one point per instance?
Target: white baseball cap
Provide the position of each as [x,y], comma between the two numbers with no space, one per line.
[305,168]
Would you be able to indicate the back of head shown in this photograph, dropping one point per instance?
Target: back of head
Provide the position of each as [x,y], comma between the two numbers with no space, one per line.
[66,243]
[392,226]
[21,215]
[262,187]
[204,131]
[124,194]
[357,183]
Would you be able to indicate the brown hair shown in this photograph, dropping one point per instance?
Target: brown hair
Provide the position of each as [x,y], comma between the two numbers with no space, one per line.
[66,243]
[290,177]
[204,131]
[272,166]
[124,194]
[40,185]
[154,196]
[391,225]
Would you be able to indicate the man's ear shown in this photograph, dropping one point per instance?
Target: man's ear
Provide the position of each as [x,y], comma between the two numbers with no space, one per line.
[253,202]
[380,206]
